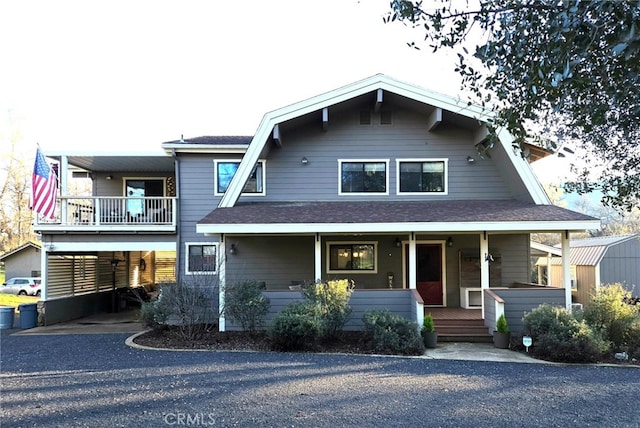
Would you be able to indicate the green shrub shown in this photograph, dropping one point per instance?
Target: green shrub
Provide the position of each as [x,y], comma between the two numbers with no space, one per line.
[427,324]
[332,301]
[608,313]
[245,304]
[558,336]
[392,334]
[501,325]
[295,328]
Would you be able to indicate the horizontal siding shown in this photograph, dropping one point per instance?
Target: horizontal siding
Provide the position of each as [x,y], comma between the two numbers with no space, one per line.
[621,264]
[399,302]
[519,301]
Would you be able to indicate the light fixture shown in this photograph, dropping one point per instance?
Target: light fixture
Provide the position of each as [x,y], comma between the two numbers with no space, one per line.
[109,177]
[114,264]
[470,159]
[304,161]
[398,243]
[449,242]
[488,257]
[233,249]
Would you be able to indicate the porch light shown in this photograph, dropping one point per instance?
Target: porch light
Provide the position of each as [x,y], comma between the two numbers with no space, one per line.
[449,242]
[304,161]
[488,257]
[398,243]
[233,250]
[470,159]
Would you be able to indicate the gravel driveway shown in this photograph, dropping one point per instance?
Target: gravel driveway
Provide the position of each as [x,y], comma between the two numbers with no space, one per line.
[98,381]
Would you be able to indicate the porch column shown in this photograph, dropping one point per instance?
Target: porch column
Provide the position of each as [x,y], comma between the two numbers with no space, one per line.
[413,275]
[44,270]
[566,269]
[221,283]
[318,258]
[62,180]
[484,265]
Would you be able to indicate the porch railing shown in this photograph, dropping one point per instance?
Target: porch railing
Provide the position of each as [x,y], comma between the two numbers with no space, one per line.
[112,211]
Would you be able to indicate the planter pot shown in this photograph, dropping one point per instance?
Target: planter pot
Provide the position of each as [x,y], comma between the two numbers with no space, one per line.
[501,340]
[430,339]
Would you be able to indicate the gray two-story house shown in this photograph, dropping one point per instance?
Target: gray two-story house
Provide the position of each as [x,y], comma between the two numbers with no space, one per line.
[390,185]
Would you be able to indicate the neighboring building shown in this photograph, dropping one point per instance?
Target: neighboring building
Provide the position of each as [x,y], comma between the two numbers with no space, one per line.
[598,261]
[393,186]
[22,261]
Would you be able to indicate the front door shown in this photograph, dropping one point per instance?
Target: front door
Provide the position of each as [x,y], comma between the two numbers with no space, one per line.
[429,273]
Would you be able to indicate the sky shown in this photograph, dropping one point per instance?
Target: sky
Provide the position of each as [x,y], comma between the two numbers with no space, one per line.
[129,75]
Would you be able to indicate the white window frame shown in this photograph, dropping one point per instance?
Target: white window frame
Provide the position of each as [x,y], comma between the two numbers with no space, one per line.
[352,271]
[385,161]
[263,166]
[423,160]
[187,246]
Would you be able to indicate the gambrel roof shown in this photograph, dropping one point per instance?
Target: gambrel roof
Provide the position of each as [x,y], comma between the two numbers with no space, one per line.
[378,84]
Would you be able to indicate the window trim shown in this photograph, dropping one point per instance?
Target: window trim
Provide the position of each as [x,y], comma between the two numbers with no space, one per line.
[342,161]
[261,162]
[187,246]
[423,160]
[373,271]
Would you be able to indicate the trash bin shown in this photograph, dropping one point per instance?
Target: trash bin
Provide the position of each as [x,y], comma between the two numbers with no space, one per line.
[6,317]
[28,315]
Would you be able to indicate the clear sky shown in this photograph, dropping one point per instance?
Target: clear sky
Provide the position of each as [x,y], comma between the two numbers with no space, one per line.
[111,75]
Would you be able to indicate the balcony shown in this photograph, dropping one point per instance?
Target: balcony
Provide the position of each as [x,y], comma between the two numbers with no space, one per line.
[111,214]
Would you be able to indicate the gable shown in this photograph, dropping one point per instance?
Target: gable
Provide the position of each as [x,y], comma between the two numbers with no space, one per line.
[436,109]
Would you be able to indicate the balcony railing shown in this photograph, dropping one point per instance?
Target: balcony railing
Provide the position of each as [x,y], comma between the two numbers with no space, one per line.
[111,212]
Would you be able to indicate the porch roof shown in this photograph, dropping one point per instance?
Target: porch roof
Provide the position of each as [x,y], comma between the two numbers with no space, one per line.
[392,216]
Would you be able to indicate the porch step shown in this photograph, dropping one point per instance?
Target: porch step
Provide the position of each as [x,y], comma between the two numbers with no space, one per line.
[462,330]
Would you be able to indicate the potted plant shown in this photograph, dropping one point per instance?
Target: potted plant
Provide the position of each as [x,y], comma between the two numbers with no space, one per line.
[428,332]
[502,336]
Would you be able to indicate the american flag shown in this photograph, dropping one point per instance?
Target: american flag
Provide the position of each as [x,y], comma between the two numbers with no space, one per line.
[44,185]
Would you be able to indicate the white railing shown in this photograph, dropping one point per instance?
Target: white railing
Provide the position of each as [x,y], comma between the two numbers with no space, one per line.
[112,211]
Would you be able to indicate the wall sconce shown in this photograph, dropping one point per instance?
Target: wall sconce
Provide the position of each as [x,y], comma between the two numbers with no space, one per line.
[488,258]
[109,177]
[233,250]
[449,242]
[398,243]
[114,264]
[304,161]
[470,159]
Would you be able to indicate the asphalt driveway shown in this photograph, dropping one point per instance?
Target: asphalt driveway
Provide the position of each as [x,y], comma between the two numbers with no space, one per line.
[98,381]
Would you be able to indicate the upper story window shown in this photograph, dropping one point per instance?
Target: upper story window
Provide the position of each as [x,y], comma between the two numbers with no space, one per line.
[420,176]
[226,169]
[201,258]
[363,176]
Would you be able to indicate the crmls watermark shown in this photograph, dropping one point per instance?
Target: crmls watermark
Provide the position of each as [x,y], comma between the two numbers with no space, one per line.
[190,419]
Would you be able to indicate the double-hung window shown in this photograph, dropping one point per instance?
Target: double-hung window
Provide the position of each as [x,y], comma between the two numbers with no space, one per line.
[201,258]
[422,176]
[226,169]
[363,177]
[355,257]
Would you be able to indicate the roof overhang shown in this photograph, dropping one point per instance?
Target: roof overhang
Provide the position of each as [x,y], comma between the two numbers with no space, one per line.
[151,161]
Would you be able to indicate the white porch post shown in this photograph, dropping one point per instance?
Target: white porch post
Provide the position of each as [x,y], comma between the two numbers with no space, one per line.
[549,255]
[484,265]
[566,269]
[221,284]
[318,258]
[44,270]
[62,180]
[413,274]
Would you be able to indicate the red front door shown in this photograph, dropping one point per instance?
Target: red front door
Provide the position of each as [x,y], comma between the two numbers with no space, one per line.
[429,273]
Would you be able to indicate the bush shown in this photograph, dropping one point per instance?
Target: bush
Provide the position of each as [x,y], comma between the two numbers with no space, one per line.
[558,336]
[245,304]
[153,315]
[332,301]
[295,328]
[501,325]
[189,306]
[392,334]
[609,313]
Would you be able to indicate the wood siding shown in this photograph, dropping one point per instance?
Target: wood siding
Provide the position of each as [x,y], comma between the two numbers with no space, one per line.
[621,264]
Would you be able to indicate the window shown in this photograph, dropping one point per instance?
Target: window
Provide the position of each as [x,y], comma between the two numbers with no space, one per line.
[201,258]
[422,176]
[225,170]
[352,257]
[363,176]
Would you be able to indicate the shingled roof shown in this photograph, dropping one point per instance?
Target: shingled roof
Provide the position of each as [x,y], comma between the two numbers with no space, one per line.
[412,213]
